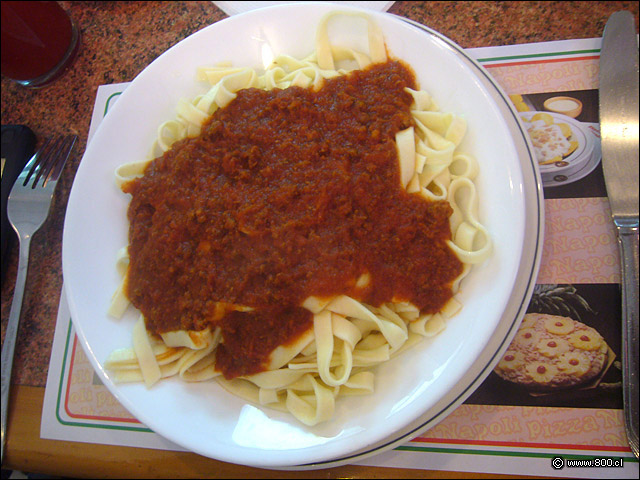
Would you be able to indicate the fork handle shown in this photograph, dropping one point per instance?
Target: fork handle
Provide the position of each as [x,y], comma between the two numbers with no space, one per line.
[8,347]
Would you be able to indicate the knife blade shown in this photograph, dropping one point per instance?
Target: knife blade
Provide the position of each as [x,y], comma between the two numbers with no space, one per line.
[618,95]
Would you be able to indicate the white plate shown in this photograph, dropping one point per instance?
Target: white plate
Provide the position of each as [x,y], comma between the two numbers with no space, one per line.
[415,390]
[582,160]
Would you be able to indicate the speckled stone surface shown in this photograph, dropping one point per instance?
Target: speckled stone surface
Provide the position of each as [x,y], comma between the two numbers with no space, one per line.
[119,39]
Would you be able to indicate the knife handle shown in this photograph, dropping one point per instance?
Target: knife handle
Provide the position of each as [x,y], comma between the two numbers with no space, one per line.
[628,241]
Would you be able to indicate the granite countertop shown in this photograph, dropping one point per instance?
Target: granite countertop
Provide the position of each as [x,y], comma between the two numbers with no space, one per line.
[119,39]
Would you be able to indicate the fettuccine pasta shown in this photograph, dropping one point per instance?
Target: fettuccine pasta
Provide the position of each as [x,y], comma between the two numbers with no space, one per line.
[336,356]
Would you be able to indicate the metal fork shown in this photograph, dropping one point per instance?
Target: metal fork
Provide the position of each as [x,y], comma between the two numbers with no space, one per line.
[27,209]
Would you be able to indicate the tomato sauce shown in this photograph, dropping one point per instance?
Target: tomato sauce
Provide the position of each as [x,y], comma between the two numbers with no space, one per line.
[286,194]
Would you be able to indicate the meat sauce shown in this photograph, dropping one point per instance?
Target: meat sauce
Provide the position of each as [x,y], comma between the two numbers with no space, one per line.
[284,195]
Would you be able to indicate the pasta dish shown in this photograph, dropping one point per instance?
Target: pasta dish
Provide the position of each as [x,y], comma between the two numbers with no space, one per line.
[551,141]
[294,228]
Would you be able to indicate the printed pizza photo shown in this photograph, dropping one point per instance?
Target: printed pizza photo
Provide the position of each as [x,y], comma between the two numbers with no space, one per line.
[552,352]
[553,141]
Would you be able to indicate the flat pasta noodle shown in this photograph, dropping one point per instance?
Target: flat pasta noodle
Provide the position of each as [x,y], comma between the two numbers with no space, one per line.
[348,338]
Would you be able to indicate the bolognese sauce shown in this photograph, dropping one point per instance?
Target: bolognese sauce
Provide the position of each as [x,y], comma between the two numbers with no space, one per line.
[286,194]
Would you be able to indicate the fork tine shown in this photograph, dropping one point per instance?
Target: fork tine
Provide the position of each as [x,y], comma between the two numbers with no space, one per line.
[46,158]
[50,160]
[34,162]
[66,149]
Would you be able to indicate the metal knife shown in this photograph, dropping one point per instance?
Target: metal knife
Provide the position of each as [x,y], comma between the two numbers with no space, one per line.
[618,93]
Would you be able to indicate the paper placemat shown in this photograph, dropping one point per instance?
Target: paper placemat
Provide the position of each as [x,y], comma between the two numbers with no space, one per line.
[499,433]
